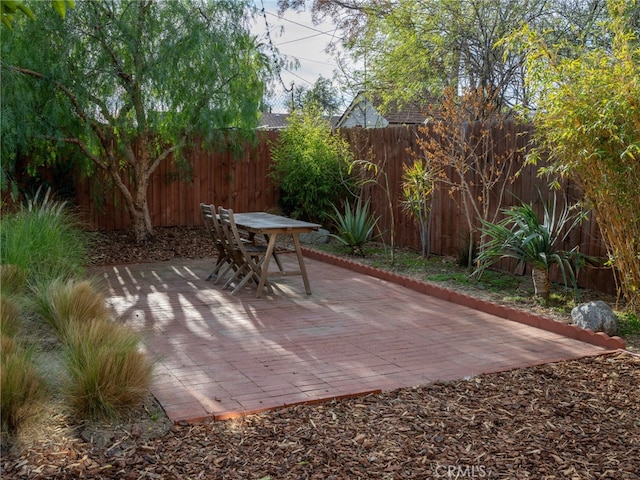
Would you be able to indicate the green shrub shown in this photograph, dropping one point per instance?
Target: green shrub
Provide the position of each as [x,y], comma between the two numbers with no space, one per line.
[310,167]
[21,386]
[46,241]
[108,371]
[63,302]
[355,226]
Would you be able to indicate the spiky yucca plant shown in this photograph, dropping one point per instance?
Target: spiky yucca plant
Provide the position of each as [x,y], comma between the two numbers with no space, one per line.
[522,236]
[355,226]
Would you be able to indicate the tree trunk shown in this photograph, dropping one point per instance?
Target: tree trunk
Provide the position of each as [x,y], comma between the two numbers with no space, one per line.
[141,221]
[541,283]
[135,199]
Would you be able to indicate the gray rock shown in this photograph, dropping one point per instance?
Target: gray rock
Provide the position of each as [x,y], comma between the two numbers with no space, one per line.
[596,316]
[315,238]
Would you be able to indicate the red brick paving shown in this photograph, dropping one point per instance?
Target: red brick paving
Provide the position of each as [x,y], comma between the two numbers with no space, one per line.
[222,356]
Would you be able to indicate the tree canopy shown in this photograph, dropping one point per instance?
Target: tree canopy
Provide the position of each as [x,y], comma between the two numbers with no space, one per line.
[416,48]
[323,97]
[131,84]
[9,9]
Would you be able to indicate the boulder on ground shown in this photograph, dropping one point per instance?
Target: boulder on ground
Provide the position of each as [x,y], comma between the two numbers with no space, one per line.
[315,238]
[596,316]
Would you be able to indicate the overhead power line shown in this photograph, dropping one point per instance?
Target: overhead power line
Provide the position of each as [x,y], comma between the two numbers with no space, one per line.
[272,47]
[328,32]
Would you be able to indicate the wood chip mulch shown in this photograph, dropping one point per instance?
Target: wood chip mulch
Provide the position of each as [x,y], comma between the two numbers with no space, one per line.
[117,247]
[572,420]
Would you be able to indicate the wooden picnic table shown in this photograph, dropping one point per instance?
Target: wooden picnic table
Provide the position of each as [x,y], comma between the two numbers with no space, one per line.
[271,226]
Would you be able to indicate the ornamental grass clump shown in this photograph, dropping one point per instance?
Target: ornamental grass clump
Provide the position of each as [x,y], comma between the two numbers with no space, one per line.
[109,373]
[45,240]
[9,316]
[13,279]
[65,302]
[21,386]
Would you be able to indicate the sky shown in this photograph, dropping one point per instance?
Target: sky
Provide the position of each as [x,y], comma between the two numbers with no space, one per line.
[295,36]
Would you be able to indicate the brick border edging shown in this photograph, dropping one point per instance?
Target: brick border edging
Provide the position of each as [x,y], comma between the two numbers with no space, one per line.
[544,323]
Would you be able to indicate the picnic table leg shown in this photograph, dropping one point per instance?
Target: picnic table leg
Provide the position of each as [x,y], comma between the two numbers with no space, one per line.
[275,255]
[265,263]
[303,270]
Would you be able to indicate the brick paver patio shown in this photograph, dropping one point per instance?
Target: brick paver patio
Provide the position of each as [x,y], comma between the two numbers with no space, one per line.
[220,356]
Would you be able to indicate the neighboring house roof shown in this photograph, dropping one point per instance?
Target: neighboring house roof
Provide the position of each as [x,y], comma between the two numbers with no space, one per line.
[361,112]
[277,121]
[409,114]
[273,121]
[366,113]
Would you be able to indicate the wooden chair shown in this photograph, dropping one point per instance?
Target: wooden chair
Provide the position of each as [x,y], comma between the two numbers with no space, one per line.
[247,257]
[224,261]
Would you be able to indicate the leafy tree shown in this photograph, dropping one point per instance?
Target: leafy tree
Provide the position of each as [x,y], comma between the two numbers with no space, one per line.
[310,167]
[9,8]
[131,84]
[322,97]
[415,48]
[460,142]
[588,122]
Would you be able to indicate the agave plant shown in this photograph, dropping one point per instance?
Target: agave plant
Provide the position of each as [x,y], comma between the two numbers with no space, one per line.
[520,235]
[355,226]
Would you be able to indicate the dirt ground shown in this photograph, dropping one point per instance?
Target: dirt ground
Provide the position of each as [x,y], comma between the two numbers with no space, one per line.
[570,420]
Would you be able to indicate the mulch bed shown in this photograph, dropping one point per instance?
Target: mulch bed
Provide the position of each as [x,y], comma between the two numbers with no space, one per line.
[570,420]
[573,420]
[118,247]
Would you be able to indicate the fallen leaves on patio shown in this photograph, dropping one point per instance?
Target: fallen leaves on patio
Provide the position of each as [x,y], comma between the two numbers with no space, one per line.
[573,420]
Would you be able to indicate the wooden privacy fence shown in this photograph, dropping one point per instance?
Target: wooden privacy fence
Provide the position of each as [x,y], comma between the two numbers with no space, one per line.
[243,184]
[391,147]
[237,181]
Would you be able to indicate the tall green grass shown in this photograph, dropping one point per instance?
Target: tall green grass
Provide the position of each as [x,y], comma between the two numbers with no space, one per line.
[44,247]
[109,373]
[46,242]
